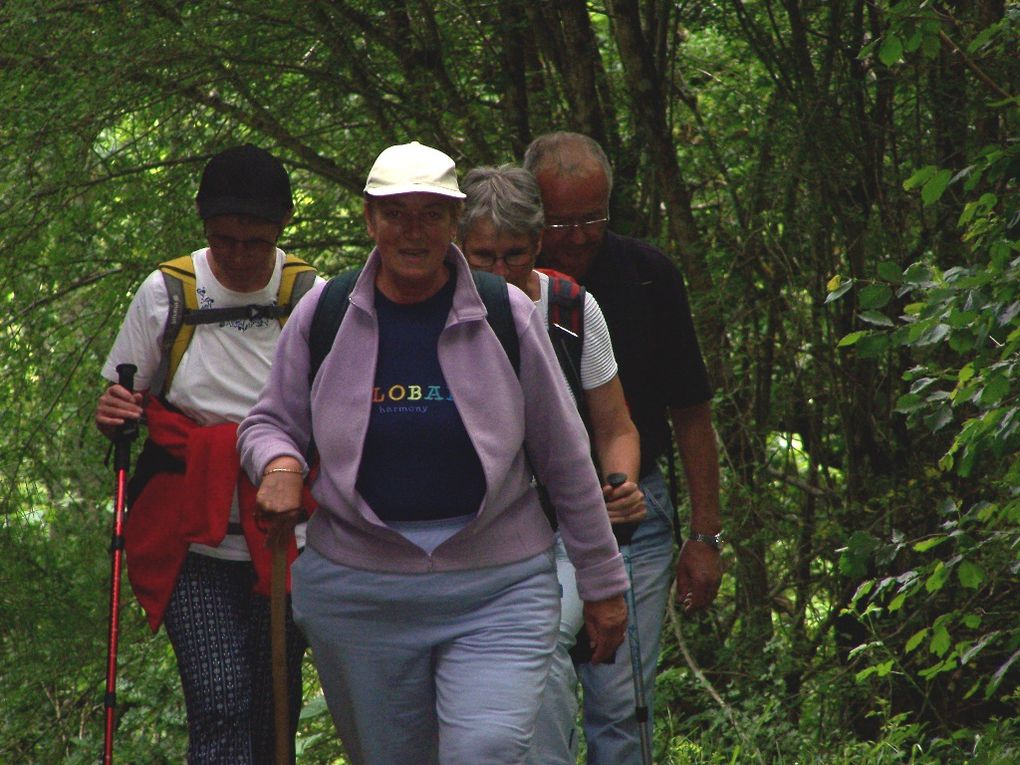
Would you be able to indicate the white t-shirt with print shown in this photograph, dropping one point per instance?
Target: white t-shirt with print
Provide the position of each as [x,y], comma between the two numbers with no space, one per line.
[222,370]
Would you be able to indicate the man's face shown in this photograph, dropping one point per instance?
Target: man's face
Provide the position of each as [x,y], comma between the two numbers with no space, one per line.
[242,251]
[575,208]
[412,232]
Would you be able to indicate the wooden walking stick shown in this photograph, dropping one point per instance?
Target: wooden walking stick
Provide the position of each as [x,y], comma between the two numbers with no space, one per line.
[278,636]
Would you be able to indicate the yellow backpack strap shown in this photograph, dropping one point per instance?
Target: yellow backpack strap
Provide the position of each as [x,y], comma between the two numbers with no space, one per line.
[296,278]
[181,288]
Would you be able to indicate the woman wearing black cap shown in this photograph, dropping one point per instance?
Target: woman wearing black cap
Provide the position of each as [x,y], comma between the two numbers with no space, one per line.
[197,560]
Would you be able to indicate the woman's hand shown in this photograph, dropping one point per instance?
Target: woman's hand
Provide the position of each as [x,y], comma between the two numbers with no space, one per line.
[278,502]
[116,406]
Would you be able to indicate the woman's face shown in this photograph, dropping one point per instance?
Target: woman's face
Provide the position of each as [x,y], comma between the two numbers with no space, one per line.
[412,233]
[511,256]
[242,251]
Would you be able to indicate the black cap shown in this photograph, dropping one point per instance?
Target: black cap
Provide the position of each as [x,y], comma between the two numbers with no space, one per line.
[245,180]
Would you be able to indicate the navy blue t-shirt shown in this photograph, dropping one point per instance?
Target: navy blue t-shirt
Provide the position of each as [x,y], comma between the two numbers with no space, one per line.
[418,463]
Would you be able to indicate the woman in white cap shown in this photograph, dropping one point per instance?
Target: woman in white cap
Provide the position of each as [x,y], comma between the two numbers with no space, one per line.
[428,588]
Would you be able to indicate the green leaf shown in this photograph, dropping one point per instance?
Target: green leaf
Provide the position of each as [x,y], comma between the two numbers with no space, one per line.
[940,641]
[889,271]
[1000,673]
[897,603]
[850,339]
[891,50]
[908,402]
[981,38]
[933,334]
[874,344]
[975,649]
[970,575]
[937,579]
[935,186]
[913,42]
[939,418]
[917,179]
[865,673]
[877,318]
[926,544]
[915,640]
[884,668]
[840,288]
[874,296]
[996,387]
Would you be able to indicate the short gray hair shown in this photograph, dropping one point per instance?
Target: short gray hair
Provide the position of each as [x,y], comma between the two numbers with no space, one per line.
[566,153]
[508,196]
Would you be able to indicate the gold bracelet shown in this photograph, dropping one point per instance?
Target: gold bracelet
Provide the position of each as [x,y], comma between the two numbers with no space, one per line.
[283,470]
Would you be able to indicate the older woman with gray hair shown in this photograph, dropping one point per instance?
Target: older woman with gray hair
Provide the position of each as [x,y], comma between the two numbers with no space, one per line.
[500,231]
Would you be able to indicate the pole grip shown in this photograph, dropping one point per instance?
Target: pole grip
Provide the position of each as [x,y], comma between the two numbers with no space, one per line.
[622,531]
[127,432]
[126,376]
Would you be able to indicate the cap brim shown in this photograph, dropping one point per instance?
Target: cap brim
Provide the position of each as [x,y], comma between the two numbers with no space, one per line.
[275,212]
[413,188]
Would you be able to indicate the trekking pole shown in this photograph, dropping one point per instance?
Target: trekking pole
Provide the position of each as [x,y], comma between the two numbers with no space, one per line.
[126,433]
[624,532]
[278,637]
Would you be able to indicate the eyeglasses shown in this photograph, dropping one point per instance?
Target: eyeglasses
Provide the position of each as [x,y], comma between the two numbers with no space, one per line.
[584,225]
[429,220]
[511,259]
[223,242]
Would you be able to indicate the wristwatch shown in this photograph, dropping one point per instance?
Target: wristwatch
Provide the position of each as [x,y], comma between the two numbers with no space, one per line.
[712,540]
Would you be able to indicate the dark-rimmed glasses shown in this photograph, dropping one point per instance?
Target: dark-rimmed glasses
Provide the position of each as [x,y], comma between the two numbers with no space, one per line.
[511,259]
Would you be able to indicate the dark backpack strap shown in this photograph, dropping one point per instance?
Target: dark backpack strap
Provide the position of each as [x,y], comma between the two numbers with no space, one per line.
[236,313]
[494,294]
[566,331]
[329,313]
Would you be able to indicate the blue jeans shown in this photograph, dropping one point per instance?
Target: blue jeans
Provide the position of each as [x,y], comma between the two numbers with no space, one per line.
[610,727]
[445,667]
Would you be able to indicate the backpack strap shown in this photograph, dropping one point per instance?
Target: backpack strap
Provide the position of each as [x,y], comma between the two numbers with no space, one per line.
[496,297]
[566,330]
[183,315]
[329,313]
[179,279]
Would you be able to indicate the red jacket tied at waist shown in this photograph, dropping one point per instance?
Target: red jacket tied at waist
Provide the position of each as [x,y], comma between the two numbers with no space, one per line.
[175,510]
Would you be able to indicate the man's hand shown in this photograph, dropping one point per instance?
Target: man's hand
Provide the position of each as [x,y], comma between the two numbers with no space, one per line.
[116,406]
[278,502]
[625,503]
[698,572]
[606,622]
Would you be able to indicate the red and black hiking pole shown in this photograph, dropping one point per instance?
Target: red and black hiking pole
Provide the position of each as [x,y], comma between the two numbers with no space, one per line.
[623,533]
[126,433]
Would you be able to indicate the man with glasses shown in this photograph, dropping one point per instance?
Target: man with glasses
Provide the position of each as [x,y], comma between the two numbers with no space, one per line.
[193,548]
[664,379]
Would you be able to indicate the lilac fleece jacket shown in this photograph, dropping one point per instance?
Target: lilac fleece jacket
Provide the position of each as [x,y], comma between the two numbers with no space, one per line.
[500,413]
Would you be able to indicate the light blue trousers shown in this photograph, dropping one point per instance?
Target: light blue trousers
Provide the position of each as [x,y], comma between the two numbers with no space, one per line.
[431,668]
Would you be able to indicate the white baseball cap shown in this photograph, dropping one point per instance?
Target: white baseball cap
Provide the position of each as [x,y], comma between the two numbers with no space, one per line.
[409,168]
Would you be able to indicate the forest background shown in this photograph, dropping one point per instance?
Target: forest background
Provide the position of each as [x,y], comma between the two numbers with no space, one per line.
[837,181]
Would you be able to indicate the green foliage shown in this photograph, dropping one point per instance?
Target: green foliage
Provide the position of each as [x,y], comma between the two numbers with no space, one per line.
[841,193]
